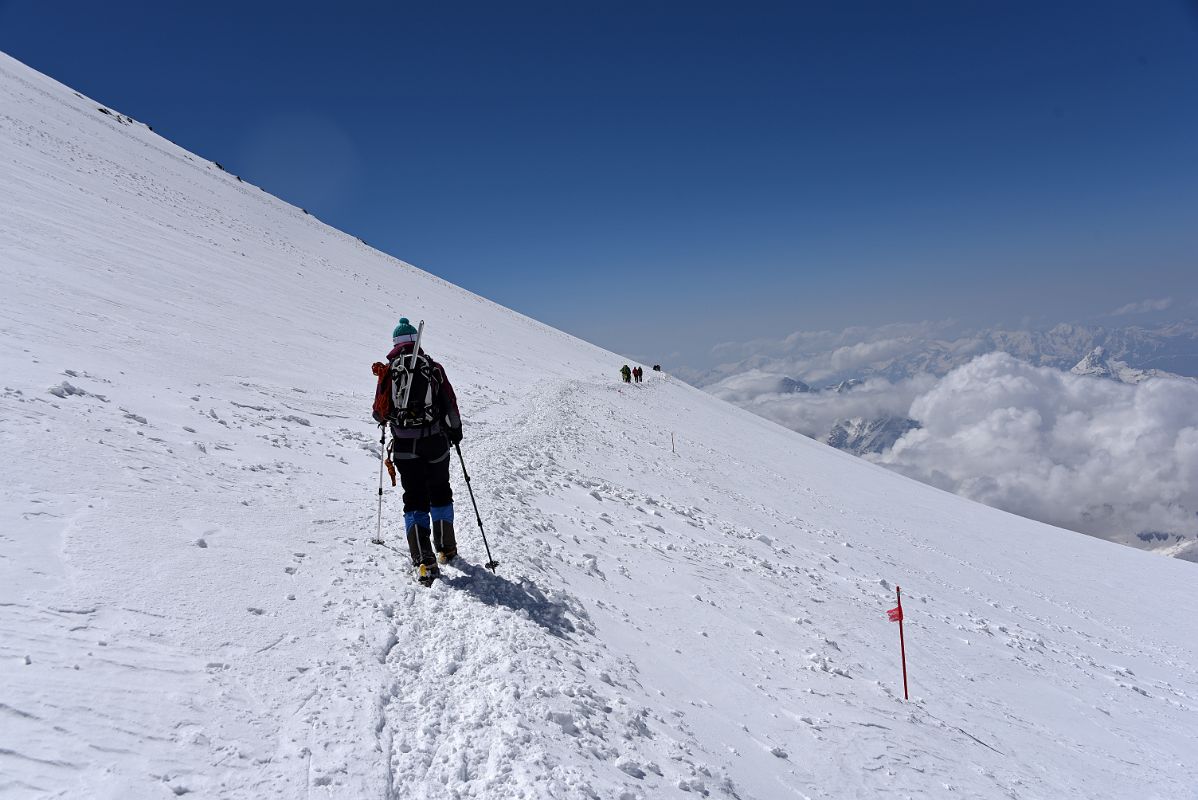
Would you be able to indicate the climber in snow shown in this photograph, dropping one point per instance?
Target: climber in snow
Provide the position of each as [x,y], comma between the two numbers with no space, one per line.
[415,399]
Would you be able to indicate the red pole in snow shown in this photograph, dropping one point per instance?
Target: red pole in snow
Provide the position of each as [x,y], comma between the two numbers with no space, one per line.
[898,593]
[896,615]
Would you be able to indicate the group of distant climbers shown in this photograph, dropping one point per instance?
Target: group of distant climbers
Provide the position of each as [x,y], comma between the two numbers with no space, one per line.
[635,374]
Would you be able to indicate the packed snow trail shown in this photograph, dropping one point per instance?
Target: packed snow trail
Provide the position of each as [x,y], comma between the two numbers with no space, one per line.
[190,605]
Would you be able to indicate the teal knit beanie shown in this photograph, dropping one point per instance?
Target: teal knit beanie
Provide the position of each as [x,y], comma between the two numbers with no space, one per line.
[404,332]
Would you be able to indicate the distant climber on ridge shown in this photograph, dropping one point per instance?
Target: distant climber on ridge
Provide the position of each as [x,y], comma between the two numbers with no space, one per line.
[626,374]
[421,434]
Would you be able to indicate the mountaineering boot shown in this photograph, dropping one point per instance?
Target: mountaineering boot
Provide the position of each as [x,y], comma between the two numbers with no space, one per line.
[427,573]
[422,551]
[444,541]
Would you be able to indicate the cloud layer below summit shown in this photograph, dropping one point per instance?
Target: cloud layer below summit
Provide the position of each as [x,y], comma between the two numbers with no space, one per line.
[1091,454]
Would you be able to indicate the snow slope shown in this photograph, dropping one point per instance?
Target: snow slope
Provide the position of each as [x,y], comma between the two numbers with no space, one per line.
[189,603]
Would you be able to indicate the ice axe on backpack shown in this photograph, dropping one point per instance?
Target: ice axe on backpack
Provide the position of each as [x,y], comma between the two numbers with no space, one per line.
[407,390]
[491,562]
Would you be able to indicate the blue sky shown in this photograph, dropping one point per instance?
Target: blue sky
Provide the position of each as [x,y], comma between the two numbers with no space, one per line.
[661,177]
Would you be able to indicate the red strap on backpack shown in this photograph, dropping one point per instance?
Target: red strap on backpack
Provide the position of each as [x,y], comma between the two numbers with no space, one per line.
[382,393]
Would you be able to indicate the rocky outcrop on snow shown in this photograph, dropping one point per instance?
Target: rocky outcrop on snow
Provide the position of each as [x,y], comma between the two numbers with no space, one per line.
[861,436]
[844,386]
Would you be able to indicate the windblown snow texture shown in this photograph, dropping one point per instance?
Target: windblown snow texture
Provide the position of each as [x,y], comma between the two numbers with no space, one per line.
[189,603]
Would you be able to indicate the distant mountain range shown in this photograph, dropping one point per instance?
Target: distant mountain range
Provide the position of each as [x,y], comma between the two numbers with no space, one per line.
[1164,349]
[1171,349]
[901,352]
[1129,354]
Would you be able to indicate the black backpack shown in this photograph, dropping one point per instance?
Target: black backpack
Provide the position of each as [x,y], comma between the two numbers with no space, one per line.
[421,382]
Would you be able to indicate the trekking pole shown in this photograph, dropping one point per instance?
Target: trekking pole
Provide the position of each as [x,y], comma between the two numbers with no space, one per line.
[378,534]
[491,562]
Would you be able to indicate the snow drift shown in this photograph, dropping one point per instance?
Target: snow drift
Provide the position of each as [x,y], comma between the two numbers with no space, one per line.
[189,603]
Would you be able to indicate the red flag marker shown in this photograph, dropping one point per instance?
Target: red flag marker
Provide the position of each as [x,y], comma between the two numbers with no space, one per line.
[896,615]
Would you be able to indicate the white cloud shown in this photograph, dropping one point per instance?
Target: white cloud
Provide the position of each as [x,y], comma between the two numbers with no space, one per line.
[811,353]
[865,353]
[1143,307]
[745,387]
[1085,453]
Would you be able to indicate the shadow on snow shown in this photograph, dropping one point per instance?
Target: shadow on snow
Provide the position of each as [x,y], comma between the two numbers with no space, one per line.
[495,590]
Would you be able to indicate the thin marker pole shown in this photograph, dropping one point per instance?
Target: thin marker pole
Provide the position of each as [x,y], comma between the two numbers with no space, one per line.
[898,593]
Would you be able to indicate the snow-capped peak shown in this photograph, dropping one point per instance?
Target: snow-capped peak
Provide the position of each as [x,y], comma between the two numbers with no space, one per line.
[1095,364]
